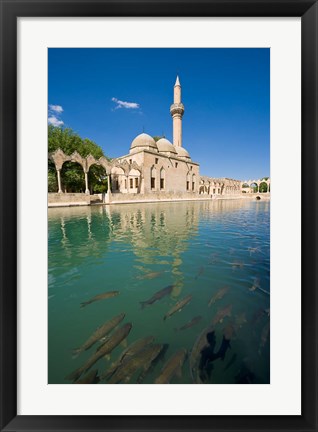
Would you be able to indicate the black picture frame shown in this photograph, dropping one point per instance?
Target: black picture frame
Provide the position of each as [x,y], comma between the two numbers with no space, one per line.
[10,11]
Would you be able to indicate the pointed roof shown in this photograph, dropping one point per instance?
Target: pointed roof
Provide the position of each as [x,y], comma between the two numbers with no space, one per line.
[177,81]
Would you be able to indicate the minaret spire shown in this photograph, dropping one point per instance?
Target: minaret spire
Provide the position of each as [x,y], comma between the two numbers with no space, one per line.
[176,111]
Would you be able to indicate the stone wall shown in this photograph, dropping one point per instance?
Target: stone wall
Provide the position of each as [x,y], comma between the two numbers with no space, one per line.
[67,199]
[152,196]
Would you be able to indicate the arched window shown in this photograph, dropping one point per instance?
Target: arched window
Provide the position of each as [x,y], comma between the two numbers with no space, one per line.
[193,182]
[162,179]
[117,179]
[153,174]
[188,181]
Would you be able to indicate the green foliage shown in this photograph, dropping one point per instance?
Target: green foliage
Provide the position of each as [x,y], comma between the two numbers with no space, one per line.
[72,174]
[263,187]
[52,182]
[72,177]
[68,141]
[157,138]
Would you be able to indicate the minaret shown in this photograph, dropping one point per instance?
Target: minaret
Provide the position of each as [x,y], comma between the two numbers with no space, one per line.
[176,111]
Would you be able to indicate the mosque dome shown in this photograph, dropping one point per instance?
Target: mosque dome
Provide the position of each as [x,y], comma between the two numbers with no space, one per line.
[143,141]
[182,153]
[165,146]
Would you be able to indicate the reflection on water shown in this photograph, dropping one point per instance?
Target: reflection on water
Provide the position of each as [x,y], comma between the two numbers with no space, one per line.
[215,252]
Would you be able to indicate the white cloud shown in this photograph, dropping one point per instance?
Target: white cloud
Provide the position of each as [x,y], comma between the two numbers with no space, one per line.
[52,120]
[56,108]
[123,104]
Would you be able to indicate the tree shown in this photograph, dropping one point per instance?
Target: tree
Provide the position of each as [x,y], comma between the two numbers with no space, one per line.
[157,138]
[263,187]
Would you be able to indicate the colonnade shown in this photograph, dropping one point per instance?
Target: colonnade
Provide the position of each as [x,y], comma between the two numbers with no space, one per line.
[219,186]
[248,186]
[112,168]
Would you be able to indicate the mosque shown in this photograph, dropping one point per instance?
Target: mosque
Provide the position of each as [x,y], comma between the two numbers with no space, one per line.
[152,170]
[165,168]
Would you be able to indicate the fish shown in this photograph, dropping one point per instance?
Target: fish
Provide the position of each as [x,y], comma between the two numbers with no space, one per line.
[178,306]
[111,343]
[195,354]
[214,258]
[229,331]
[151,275]
[157,296]
[221,314]
[237,264]
[130,351]
[99,333]
[218,296]
[191,323]
[200,272]
[256,284]
[148,369]
[172,367]
[90,378]
[103,296]
[258,315]
[240,319]
[253,250]
[264,336]
[231,362]
[225,345]
[141,360]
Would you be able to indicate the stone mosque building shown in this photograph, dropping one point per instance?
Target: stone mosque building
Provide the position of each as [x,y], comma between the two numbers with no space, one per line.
[164,167]
[152,170]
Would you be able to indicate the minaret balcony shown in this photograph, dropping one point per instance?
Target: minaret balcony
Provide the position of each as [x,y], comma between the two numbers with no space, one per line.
[177,109]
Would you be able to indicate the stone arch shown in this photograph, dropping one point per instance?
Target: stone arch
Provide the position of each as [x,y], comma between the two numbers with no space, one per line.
[77,158]
[58,157]
[134,179]
[122,165]
[135,166]
[105,164]
[254,186]
[118,177]
[73,177]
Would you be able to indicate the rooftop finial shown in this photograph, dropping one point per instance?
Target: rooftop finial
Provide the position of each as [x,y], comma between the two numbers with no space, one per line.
[177,81]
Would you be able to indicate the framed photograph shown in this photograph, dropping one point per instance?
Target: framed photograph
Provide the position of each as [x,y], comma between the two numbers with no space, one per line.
[159,215]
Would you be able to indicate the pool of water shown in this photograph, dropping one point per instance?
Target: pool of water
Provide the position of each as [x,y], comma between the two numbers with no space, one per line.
[196,248]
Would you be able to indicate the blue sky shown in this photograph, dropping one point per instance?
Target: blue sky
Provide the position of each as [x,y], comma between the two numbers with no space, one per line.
[112,95]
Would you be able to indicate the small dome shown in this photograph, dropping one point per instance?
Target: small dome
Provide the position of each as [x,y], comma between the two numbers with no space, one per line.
[165,146]
[143,140]
[182,152]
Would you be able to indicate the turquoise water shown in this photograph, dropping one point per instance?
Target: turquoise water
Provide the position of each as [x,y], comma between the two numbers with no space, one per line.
[197,247]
